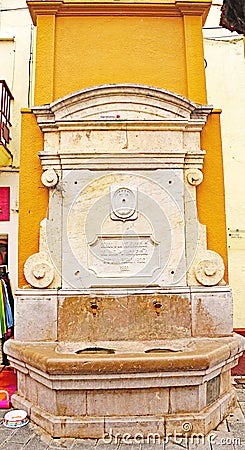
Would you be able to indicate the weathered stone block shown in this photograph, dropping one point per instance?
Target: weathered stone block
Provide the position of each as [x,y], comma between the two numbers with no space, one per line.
[41,311]
[212,314]
[127,403]
[187,399]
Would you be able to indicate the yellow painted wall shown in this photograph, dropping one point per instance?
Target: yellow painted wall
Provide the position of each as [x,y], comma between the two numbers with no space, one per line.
[44,75]
[33,195]
[82,51]
[74,52]
[211,192]
[196,83]
[141,50]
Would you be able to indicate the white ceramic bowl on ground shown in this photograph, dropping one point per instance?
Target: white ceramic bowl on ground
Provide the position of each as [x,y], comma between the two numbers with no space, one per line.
[15,418]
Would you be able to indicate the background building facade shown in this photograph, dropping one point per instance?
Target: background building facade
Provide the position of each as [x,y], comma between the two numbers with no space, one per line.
[225,75]
[16,43]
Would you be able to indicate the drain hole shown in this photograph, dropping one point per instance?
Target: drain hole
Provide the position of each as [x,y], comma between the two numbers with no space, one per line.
[160,350]
[93,350]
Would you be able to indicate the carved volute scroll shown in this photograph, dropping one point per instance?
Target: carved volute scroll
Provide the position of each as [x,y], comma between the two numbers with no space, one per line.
[194,176]
[38,270]
[49,178]
[209,271]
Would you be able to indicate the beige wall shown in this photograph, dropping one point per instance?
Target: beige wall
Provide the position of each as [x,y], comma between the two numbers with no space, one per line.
[15,36]
[225,71]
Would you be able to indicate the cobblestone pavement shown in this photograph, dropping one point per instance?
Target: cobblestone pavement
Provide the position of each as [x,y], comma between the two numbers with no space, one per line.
[229,435]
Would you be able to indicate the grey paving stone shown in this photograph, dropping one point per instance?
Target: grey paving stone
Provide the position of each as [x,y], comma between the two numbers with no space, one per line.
[13,446]
[36,443]
[152,446]
[237,430]
[84,444]
[239,445]
[43,435]
[242,406]
[241,394]
[130,446]
[61,443]
[114,445]
[3,412]
[102,445]
[22,435]
[5,434]
[223,446]
[222,440]
[199,444]
[177,443]
[222,426]
[235,416]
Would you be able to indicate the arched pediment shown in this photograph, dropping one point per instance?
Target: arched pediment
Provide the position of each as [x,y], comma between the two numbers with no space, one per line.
[121,102]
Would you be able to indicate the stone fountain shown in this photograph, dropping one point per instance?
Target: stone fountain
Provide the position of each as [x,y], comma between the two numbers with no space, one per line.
[129,318]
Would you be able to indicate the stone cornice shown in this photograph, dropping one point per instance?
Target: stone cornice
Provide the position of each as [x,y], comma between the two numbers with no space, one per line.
[140,114]
[161,8]
[181,125]
[119,161]
[154,125]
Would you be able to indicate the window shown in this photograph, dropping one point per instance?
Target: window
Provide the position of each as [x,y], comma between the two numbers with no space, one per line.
[5,98]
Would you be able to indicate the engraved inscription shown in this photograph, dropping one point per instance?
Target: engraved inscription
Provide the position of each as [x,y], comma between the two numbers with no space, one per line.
[123,250]
[122,255]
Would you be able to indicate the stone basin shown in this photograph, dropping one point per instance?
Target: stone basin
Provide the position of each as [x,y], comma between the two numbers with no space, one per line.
[146,387]
[126,347]
[127,357]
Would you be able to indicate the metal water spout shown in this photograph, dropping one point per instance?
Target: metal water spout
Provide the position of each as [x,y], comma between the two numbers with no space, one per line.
[94,306]
[157,305]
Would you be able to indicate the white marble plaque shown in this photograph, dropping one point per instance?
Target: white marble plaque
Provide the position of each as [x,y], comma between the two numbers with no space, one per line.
[123,256]
[123,229]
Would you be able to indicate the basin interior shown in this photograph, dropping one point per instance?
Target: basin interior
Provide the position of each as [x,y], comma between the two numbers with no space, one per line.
[126,347]
[161,350]
[95,350]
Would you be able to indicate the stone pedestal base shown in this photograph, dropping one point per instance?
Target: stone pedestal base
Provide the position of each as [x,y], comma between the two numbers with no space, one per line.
[117,427]
[154,389]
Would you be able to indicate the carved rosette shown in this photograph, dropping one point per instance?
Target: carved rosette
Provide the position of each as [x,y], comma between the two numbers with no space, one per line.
[38,270]
[194,176]
[50,178]
[209,271]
